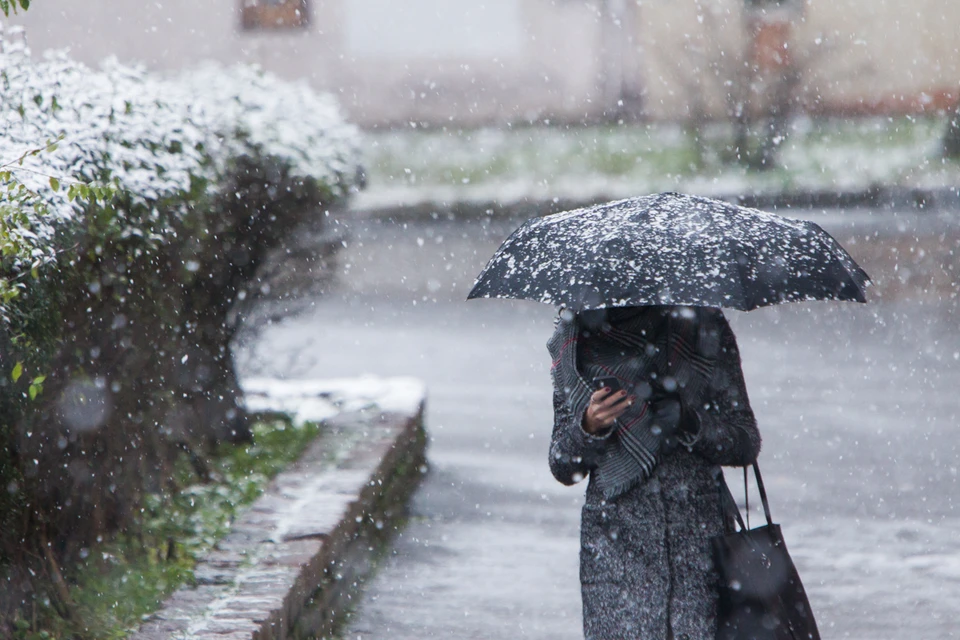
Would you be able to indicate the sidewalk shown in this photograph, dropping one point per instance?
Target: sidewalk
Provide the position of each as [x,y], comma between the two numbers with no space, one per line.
[857,407]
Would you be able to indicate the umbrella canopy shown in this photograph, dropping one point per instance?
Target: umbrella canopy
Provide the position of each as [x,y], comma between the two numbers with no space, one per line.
[670,249]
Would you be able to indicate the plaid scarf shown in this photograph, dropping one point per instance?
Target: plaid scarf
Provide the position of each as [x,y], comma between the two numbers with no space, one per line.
[654,352]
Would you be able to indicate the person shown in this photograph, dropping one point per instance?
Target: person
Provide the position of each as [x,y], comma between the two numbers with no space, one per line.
[652,451]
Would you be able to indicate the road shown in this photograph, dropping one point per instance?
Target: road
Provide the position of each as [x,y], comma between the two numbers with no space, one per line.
[858,407]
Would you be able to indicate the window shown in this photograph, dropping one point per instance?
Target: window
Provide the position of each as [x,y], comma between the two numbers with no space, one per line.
[771,4]
[771,24]
[763,6]
[273,14]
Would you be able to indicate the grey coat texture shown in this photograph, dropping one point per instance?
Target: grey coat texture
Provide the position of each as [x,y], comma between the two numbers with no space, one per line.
[646,566]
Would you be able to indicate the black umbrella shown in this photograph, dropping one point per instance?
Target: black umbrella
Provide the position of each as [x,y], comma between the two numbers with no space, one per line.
[670,249]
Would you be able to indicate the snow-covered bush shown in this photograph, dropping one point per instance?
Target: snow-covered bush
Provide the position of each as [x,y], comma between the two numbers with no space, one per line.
[113,127]
[151,138]
[257,111]
[134,210]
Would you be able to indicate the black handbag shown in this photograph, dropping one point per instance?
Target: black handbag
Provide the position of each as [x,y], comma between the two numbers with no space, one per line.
[761,597]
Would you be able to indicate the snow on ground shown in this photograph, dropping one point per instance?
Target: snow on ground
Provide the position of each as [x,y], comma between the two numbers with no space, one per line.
[313,400]
[513,164]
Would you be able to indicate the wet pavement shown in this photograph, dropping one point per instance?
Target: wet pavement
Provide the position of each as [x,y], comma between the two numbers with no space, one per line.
[858,406]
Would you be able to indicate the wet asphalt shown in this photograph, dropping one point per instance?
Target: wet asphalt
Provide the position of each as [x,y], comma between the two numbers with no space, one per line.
[858,406]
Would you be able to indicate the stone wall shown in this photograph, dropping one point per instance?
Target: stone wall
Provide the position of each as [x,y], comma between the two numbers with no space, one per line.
[292,565]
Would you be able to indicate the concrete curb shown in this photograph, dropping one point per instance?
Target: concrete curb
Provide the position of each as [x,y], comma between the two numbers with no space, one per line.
[878,197]
[293,563]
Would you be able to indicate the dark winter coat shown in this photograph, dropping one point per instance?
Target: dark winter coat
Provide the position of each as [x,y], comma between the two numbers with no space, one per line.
[646,569]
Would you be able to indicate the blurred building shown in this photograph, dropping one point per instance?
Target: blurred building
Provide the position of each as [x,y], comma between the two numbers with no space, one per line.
[401,61]
[844,57]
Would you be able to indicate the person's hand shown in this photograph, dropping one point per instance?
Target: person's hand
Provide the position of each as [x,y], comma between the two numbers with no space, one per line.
[604,408]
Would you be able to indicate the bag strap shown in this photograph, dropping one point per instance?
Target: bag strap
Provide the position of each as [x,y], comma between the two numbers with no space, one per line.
[728,505]
[729,511]
[763,492]
[746,496]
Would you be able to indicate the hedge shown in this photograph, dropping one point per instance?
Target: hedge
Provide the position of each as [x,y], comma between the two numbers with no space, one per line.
[135,210]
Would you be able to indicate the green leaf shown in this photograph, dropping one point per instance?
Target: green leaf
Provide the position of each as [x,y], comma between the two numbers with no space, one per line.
[33,392]
[25,4]
[5,6]
[54,184]
[17,371]
[39,380]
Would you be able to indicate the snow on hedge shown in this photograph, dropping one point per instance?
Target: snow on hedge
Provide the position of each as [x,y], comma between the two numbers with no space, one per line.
[115,126]
[278,118]
[147,136]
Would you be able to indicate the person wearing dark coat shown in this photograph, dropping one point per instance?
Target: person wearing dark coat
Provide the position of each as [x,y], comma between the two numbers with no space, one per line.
[652,452]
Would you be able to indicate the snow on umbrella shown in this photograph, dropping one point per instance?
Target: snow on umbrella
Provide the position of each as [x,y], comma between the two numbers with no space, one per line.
[670,248]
